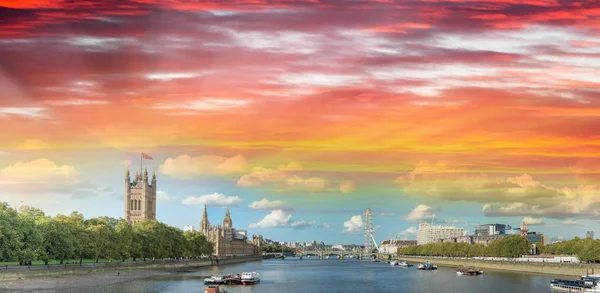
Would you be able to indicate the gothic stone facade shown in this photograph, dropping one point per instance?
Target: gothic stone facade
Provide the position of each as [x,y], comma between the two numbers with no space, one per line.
[140,197]
[224,239]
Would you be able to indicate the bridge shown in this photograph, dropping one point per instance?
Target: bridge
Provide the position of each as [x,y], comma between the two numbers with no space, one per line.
[323,254]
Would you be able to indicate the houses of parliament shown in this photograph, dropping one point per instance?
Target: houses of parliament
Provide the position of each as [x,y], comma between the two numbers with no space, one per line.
[140,204]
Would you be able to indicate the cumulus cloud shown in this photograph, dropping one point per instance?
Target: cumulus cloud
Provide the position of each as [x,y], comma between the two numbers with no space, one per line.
[213,200]
[281,219]
[186,167]
[354,225]
[283,178]
[529,221]
[164,196]
[261,175]
[420,213]
[265,204]
[347,186]
[312,184]
[509,196]
[41,172]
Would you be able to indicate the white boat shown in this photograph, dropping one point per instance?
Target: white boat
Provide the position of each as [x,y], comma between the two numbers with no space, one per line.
[250,278]
[584,284]
[394,263]
[214,280]
[327,257]
[405,264]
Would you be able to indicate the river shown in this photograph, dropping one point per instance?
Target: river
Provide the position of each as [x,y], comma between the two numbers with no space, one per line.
[344,276]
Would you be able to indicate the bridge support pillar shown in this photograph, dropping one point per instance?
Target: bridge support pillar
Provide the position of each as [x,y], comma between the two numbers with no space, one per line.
[321,255]
[360,256]
[341,256]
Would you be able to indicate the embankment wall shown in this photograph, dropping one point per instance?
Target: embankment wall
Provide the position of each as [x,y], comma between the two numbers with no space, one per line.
[558,269]
[42,271]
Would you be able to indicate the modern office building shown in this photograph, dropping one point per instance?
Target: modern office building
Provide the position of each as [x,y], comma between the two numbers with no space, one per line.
[490,229]
[429,234]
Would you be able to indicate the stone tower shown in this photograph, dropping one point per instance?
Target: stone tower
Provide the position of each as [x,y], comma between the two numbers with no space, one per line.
[228,226]
[204,224]
[140,197]
[524,229]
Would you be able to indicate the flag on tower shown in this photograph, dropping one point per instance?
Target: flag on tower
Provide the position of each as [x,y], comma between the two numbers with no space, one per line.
[146,156]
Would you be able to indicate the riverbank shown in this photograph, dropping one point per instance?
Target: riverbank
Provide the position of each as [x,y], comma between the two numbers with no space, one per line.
[553,269]
[85,277]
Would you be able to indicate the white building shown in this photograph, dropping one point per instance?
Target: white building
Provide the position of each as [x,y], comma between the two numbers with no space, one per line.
[188,228]
[429,234]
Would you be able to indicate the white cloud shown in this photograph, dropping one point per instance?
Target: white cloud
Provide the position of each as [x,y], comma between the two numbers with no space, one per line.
[164,196]
[347,186]
[354,225]
[410,231]
[421,212]
[127,162]
[186,167]
[76,102]
[213,200]
[280,219]
[302,224]
[207,104]
[324,226]
[29,112]
[529,221]
[168,76]
[265,204]
[570,222]
[386,214]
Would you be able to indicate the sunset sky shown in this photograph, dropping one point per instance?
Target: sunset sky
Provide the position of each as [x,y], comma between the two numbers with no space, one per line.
[298,115]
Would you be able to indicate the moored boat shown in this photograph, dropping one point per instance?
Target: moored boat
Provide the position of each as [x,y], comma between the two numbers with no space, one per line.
[427,266]
[214,289]
[584,284]
[250,278]
[405,264]
[468,272]
[214,280]
[394,263]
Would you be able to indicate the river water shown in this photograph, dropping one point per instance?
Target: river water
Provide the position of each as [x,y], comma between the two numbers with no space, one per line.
[344,276]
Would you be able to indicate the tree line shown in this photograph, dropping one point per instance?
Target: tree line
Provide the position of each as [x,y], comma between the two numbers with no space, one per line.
[511,246]
[277,248]
[29,235]
[586,250]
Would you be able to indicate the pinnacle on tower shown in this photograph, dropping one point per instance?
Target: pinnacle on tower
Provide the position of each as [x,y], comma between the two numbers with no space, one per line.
[127,173]
[153,176]
[227,213]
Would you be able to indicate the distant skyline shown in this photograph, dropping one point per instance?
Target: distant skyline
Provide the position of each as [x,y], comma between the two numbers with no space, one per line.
[299,115]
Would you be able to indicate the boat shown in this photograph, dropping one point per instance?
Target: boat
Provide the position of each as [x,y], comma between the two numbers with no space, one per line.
[468,272]
[214,289]
[214,280]
[250,278]
[427,266]
[327,257]
[394,263]
[405,264]
[375,260]
[584,284]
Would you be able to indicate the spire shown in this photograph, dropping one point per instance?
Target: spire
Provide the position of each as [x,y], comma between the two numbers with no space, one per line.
[127,173]
[137,175]
[153,176]
[145,172]
[227,214]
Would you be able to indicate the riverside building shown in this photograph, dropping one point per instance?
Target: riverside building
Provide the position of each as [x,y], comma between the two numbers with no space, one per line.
[429,234]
